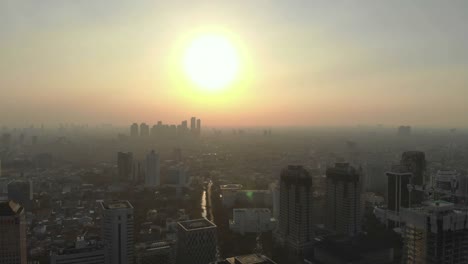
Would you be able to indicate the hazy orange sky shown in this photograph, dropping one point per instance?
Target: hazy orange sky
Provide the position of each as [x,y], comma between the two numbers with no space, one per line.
[305,62]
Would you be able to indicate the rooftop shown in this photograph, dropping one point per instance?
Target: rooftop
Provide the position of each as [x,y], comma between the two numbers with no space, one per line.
[196,224]
[116,205]
[250,259]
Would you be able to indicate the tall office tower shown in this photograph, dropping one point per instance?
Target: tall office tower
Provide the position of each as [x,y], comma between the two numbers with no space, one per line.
[344,203]
[162,252]
[398,194]
[152,176]
[117,228]
[275,197]
[125,165]
[184,127]
[134,130]
[12,233]
[436,232]
[193,125]
[415,162]
[295,216]
[83,252]
[198,127]
[21,192]
[196,241]
[144,130]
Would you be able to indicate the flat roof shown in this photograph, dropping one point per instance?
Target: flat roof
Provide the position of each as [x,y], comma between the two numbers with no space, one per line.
[250,259]
[116,205]
[196,224]
[231,186]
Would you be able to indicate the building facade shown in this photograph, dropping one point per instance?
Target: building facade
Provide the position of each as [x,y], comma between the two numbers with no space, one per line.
[196,241]
[436,232]
[153,171]
[295,217]
[12,233]
[344,203]
[125,165]
[117,228]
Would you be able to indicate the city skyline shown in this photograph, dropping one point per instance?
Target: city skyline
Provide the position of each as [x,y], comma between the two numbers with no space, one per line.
[301,63]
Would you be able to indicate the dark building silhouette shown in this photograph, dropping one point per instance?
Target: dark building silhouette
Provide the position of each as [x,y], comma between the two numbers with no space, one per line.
[144,130]
[125,165]
[134,130]
[12,233]
[296,230]
[344,203]
[198,127]
[404,131]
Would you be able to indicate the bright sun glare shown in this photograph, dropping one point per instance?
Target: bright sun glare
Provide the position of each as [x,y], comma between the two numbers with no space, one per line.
[211,62]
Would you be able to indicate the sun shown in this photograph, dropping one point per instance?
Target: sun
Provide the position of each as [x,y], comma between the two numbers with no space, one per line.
[211,62]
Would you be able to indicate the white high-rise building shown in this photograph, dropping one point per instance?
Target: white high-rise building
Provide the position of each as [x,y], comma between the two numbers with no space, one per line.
[152,177]
[295,217]
[344,203]
[117,227]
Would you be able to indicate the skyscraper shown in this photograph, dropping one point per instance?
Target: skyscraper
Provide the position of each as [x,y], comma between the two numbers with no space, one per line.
[198,127]
[415,162]
[134,130]
[344,208]
[12,233]
[125,165]
[196,241]
[144,130]
[295,216]
[117,228]
[398,194]
[152,177]
[193,125]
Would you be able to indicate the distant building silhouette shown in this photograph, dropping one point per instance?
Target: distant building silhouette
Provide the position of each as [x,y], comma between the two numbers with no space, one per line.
[404,131]
[193,126]
[344,203]
[118,234]
[125,165]
[134,130]
[153,177]
[12,233]
[144,130]
[295,217]
[196,241]
[198,129]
